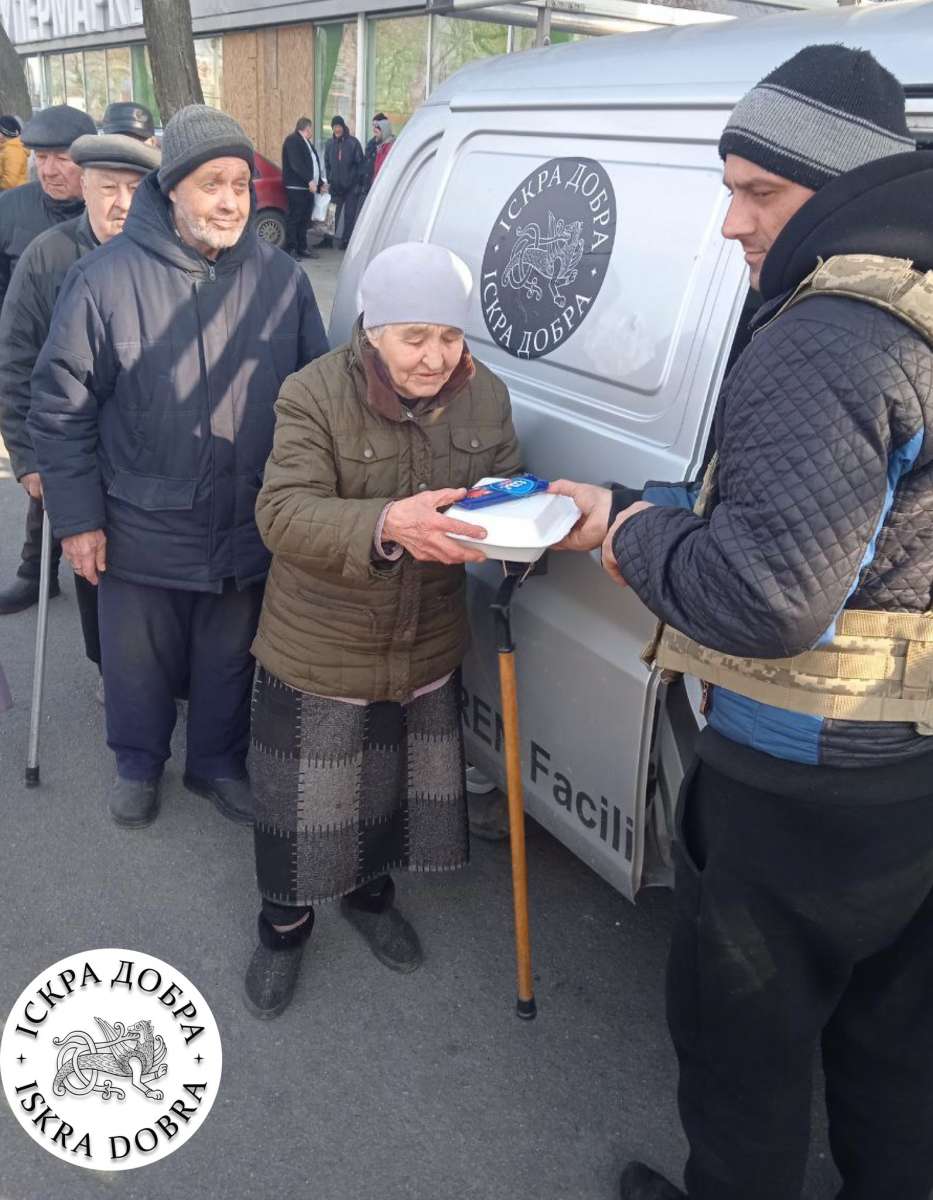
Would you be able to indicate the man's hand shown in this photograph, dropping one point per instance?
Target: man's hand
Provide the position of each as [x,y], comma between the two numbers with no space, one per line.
[33,485]
[415,524]
[312,187]
[87,553]
[594,504]
[610,566]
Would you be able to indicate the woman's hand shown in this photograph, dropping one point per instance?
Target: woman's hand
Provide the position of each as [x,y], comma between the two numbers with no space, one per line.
[415,524]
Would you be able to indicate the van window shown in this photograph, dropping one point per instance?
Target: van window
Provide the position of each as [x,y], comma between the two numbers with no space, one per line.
[408,203]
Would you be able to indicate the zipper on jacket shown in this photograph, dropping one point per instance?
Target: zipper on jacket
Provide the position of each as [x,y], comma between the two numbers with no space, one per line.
[211,273]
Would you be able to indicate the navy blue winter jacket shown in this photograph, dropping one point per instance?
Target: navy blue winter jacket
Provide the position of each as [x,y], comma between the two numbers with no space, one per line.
[152,399]
[825,488]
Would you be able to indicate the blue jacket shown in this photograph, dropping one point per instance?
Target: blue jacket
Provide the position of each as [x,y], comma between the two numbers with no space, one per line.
[825,487]
[152,399]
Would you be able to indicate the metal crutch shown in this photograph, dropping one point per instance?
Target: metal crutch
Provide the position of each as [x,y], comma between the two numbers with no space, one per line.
[38,674]
[515,575]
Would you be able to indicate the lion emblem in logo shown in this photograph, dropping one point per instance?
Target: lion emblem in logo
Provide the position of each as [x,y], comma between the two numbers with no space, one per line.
[553,258]
[134,1054]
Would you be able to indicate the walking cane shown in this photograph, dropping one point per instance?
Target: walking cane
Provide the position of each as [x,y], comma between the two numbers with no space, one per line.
[515,576]
[38,674]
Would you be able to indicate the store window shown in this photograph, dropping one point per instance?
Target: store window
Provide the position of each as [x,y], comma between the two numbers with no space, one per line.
[119,74]
[55,79]
[397,67]
[95,82]
[32,68]
[334,76]
[456,42]
[143,91]
[74,80]
[209,55]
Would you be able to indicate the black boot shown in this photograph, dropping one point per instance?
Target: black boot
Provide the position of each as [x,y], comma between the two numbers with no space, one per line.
[639,1182]
[231,797]
[134,803]
[24,593]
[273,970]
[372,911]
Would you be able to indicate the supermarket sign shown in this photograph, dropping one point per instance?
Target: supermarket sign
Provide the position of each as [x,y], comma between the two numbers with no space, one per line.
[39,20]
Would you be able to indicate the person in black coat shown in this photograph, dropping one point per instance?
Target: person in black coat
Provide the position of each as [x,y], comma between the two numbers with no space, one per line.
[112,168]
[152,417]
[303,176]
[344,163]
[25,212]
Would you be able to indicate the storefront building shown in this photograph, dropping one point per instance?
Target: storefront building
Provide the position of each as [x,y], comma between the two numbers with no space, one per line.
[278,60]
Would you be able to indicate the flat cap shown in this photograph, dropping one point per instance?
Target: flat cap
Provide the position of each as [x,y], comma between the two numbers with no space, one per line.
[116,151]
[125,116]
[57,126]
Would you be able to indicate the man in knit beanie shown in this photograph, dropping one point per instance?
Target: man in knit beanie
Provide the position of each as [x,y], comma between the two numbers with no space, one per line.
[804,849]
[151,420]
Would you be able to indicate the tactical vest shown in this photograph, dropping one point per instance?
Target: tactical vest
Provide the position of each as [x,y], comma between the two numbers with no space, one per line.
[878,665]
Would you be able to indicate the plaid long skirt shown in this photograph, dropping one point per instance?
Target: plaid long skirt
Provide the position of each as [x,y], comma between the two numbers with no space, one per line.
[346,792]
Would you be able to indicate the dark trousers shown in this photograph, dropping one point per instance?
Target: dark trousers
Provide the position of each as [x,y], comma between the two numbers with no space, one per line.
[161,643]
[345,214]
[86,595]
[374,896]
[300,204]
[32,547]
[802,924]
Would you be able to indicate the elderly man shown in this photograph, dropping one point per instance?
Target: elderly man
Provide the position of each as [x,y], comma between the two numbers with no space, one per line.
[797,583]
[25,212]
[111,170]
[303,175]
[152,417]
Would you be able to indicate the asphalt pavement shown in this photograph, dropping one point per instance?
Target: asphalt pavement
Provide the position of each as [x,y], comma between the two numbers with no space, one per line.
[372,1086]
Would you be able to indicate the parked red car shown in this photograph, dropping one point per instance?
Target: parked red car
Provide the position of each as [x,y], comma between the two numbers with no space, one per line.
[271,204]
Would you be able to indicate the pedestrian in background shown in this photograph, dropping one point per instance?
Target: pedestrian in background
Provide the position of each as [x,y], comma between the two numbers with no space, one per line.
[111,170]
[798,583]
[382,132]
[14,158]
[25,212]
[130,119]
[304,176]
[152,418]
[357,754]
[344,164]
[372,149]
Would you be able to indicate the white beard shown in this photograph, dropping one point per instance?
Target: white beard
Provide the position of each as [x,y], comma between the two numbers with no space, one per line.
[200,229]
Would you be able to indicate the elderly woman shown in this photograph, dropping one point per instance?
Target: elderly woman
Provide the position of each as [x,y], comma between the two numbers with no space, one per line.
[357,752]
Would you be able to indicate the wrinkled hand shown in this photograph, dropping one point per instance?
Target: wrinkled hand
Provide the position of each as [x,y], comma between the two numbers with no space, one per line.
[87,553]
[33,485]
[417,526]
[608,558]
[594,504]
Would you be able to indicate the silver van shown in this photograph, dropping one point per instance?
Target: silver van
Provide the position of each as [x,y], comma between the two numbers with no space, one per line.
[582,185]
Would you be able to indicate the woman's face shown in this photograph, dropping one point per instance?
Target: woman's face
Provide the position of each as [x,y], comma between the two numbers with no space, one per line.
[419,358]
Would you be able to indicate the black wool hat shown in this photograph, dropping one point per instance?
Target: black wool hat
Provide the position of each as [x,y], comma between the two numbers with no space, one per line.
[10,126]
[827,110]
[56,127]
[127,117]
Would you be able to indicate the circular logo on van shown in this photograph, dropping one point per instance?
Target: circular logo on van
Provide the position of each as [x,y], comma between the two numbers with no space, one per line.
[547,256]
[110,1059]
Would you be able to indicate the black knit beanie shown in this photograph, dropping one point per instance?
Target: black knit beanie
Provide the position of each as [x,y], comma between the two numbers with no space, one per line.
[825,111]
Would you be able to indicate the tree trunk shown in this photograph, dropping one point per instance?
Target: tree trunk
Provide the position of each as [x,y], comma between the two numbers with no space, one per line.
[175,76]
[14,91]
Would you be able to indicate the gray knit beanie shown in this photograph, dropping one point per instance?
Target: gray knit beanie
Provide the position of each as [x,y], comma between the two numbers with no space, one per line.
[827,110]
[195,135]
[416,283]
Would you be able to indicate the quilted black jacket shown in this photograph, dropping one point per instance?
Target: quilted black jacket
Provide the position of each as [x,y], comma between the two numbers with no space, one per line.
[825,488]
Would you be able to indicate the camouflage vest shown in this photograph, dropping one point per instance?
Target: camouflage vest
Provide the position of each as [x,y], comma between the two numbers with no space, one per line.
[878,665]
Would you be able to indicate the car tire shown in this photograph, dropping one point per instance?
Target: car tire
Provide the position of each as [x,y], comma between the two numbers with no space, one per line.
[270,226]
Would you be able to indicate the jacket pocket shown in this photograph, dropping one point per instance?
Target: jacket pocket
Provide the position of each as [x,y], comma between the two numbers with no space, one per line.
[154,493]
[367,464]
[472,453]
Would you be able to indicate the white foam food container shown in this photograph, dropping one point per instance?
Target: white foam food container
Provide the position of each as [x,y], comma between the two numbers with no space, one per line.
[518,530]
